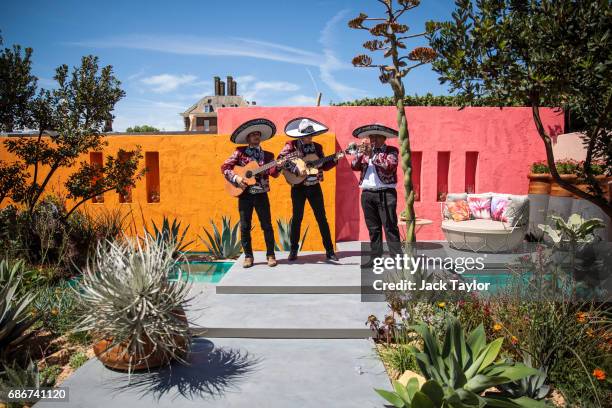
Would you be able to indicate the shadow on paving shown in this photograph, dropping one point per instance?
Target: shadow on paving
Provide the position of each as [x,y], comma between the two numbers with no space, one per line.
[211,373]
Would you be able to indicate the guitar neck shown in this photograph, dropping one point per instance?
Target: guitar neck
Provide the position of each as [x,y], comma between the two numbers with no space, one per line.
[323,160]
[268,166]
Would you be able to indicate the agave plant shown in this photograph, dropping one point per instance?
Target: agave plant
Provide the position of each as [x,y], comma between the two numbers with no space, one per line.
[15,315]
[224,244]
[575,231]
[467,367]
[126,299]
[170,234]
[284,235]
[533,386]
[14,377]
[431,394]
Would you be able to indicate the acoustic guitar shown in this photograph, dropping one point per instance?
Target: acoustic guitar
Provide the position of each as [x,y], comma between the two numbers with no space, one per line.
[311,163]
[250,171]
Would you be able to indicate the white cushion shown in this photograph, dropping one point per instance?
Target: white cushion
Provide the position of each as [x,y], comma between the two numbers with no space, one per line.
[478,226]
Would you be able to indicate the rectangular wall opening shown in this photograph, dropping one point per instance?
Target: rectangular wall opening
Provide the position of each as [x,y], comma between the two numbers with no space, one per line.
[125,197]
[442,181]
[152,177]
[97,161]
[417,159]
[471,164]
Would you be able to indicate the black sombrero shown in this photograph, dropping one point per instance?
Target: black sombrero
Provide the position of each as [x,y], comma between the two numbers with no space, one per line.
[374,129]
[264,126]
[301,127]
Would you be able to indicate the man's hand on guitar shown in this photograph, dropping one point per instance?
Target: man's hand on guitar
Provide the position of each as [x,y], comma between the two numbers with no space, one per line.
[240,181]
[303,172]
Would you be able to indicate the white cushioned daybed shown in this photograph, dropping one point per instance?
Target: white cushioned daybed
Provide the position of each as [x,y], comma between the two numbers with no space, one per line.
[501,230]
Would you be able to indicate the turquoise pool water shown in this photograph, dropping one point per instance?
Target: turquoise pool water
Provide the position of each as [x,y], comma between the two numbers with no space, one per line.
[204,272]
[498,280]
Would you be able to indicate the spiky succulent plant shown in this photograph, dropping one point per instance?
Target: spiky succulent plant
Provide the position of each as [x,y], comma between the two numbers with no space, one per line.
[15,315]
[125,296]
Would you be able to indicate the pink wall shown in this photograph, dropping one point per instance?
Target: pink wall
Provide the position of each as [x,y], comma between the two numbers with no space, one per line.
[506,141]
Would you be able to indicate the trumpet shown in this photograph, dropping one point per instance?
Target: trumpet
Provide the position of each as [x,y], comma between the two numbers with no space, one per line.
[363,147]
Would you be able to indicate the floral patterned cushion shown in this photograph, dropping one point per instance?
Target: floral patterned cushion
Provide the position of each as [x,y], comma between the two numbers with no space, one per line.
[480,207]
[499,205]
[458,210]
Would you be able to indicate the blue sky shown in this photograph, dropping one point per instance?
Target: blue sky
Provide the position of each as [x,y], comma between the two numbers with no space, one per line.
[166,53]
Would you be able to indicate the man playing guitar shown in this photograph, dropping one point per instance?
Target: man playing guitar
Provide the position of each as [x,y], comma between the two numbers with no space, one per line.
[303,130]
[255,196]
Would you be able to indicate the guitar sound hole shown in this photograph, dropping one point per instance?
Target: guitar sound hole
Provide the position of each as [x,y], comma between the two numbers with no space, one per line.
[249,174]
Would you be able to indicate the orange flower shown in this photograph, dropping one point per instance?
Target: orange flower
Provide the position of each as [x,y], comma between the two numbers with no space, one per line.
[514,340]
[581,317]
[599,374]
[497,327]
[590,332]
[55,311]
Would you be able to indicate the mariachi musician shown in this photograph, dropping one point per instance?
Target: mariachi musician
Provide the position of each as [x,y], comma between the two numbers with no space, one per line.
[303,130]
[254,197]
[377,163]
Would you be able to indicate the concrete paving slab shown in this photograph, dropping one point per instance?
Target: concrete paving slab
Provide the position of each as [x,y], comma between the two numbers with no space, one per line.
[309,274]
[282,315]
[236,373]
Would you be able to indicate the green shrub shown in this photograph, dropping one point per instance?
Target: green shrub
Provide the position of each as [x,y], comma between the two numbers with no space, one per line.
[431,395]
[49,374]
[16,377]
[58,307]
[540,167]
[77,360]
[171,235]
[399,357]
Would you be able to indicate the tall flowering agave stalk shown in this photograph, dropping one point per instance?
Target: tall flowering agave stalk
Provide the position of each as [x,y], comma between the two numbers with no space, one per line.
[126,299]
[390,36]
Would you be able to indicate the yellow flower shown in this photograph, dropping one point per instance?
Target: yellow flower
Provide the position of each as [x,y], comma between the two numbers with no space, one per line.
[55,311]
[497,327]
[599,374]
[590,332]
[33,312]
[581,317]
[514,340]
[441,305]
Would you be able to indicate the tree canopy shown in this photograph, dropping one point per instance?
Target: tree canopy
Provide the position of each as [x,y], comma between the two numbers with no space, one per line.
[544,53]
[142,129]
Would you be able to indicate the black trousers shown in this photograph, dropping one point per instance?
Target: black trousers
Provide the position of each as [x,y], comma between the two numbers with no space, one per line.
[379,210]
[260,202]
[314,195]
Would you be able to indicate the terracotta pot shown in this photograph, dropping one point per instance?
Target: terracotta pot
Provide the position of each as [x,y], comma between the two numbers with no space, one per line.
[601,180]
[558,191]
[118,358]
[539,183]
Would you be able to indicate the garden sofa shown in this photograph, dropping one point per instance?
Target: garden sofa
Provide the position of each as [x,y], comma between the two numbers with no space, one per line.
[488,226]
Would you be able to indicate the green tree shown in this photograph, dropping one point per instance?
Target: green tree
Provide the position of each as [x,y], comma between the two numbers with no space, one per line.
[142,129]
[421,100]
[548,52]
[69,120]
[389,36]
[17,87]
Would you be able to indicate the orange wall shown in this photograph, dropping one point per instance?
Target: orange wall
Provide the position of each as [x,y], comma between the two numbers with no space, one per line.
[192,187]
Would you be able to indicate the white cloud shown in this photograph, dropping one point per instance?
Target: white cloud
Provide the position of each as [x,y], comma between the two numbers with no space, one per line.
[167,82]
[193,45]
[253,89]
[299,100]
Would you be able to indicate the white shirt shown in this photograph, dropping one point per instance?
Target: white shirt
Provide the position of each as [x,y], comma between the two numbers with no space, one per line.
[371,181]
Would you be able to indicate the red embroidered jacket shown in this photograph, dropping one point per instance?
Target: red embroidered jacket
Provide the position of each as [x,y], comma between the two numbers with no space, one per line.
[296,145]
[241,158]
[385,164]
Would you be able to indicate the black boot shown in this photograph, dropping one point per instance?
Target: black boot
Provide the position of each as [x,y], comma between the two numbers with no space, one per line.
[292,255]
[331,256]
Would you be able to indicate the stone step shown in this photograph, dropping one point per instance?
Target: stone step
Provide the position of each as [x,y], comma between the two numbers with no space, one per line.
[283,316]
[241,373]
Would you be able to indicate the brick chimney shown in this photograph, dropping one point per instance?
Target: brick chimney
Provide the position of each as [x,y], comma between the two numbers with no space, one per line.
[230,86]
[217,86]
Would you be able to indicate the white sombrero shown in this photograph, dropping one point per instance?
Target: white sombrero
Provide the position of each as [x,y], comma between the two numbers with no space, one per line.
[264,126]
[374,129]
[301,127]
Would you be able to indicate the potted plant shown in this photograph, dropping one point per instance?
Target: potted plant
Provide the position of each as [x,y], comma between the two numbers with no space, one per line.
[598,171]
[539,178]
[567,169]
[136,315]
